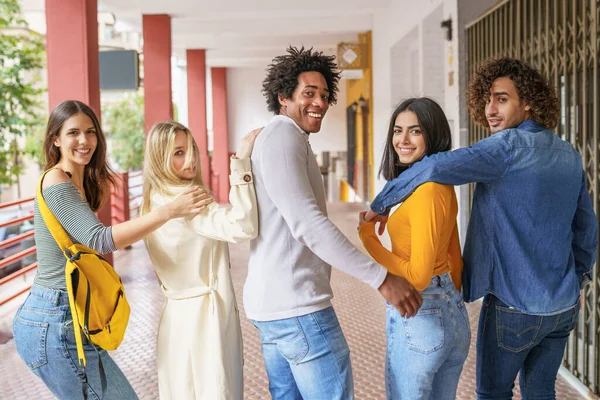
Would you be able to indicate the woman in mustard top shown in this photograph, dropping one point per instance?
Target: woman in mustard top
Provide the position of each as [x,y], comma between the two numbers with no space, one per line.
[426,353]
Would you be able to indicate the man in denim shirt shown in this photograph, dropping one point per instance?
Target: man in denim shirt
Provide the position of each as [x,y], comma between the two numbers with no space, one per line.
[533,235]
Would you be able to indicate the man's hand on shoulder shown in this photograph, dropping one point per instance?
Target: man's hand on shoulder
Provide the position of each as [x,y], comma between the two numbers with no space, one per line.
[372,216]
[401,294]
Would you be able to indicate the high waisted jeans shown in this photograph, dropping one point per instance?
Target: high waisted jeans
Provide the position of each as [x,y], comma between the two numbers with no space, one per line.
[426,353]
[43,332]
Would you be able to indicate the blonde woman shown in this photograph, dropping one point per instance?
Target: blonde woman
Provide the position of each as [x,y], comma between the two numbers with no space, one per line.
[199,349]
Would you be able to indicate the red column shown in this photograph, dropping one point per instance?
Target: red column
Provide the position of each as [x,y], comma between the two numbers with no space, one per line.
[158,104]
[72,54]
[196,81]
[220,151]
[120,198]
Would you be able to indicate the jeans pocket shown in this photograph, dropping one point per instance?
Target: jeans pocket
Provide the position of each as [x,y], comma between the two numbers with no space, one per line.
[516,331]
[287,335]
[425,331]
[574,318]
[68,335]
[30,341]
[463,310]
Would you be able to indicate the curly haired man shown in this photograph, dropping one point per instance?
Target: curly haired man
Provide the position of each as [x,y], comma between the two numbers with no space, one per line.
[287,294]
[532,236]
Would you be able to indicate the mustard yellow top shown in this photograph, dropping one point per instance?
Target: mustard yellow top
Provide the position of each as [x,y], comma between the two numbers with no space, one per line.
[424,237]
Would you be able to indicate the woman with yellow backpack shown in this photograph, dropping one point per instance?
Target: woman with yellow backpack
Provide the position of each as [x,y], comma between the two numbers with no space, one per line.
[69,237]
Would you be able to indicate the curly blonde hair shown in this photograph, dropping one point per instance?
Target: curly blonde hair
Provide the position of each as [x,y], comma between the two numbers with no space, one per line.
[531,86]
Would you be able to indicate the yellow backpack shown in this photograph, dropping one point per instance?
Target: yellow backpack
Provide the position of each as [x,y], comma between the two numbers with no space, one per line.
[96,293]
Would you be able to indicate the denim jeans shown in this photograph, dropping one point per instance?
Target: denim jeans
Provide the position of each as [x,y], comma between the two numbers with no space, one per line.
[307,357]
[510,342]
[426,353]
[44,338]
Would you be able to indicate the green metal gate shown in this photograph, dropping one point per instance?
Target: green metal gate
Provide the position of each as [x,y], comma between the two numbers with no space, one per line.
[562,39]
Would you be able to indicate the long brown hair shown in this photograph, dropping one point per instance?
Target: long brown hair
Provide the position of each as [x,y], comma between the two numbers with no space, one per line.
[436,132]
[98,176]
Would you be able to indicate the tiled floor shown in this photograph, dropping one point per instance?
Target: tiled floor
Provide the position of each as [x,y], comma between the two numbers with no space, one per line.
[360,309]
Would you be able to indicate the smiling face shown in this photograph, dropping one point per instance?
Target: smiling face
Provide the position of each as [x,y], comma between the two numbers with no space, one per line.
[309,102]
[504,109]
[77,141]
[408,140]
[181,148]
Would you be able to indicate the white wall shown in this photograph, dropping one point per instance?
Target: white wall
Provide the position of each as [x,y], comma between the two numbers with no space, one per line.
[411,53]
[247,110]
[404,37]
[246,106]
[435,68]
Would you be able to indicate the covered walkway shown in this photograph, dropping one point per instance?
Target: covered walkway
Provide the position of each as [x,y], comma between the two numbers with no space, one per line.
[360,309]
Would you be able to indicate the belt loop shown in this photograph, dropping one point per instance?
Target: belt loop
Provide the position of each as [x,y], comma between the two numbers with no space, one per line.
[441,281]
[56,298]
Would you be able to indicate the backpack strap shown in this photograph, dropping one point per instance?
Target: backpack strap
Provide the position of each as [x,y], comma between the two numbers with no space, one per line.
[58,232]
[64,242]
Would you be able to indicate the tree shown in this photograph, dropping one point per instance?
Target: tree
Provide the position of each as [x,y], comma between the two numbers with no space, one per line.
[123,122]
[21,59]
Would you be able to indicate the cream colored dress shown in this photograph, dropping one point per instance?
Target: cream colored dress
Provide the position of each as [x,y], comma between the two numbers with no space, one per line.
[199,345]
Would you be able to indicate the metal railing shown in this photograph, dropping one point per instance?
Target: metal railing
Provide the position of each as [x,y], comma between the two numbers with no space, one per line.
[562,39]
[18,258]
[124,203]
[135,193]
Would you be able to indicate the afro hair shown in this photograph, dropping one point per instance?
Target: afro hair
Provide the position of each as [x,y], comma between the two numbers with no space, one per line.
[282,74]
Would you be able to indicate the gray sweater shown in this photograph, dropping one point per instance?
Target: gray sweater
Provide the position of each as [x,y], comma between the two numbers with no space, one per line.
[289,268]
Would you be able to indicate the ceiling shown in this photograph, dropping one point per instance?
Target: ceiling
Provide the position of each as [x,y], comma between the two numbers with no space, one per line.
[244,32]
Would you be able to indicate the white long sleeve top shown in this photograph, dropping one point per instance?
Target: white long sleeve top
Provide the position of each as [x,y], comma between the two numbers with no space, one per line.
[289,267]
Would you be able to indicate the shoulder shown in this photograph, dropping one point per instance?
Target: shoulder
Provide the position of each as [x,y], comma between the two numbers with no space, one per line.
[282,126]
[280,134]
[158,199]
[434,190]
[54,177]
[502,141]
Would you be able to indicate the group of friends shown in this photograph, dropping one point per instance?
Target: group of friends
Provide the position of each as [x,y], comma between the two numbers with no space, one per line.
[530,246]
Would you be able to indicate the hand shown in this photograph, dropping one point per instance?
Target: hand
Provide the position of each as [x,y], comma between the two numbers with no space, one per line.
[401,294]
[361,219]
[245,150]
[189,203]
[374,217]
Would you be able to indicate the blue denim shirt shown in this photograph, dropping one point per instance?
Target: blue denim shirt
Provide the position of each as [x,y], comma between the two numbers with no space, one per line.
[533,235]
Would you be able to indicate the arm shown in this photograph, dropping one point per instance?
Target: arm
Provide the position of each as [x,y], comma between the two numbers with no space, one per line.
[83,225]
[455,259]
[485,161]
[585,234]
[427,213]
[283,162]
[76,217]
[236,223]
[188,203]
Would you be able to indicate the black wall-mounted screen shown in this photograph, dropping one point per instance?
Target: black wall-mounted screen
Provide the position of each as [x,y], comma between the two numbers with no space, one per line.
[119,70]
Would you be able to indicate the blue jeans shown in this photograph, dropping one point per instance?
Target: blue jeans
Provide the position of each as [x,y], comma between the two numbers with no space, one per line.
[307,357]
[44,338]
[426,353]
[510,341]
